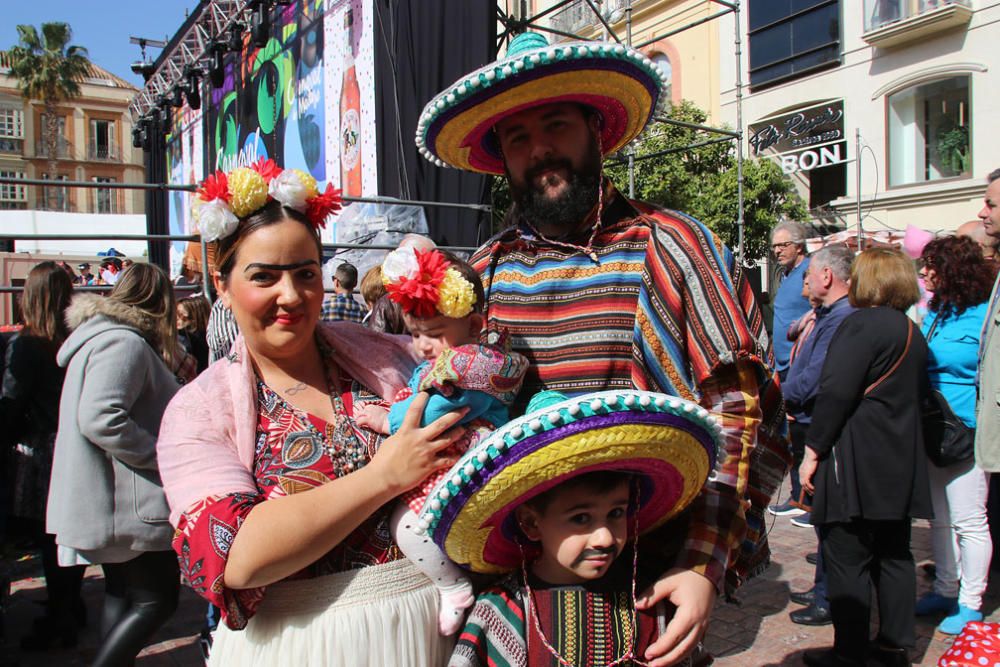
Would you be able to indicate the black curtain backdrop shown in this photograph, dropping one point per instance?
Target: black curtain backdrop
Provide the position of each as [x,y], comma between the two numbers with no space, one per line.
[421,46]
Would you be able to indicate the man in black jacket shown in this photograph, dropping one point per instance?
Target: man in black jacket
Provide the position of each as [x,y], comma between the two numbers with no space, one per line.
[827,283]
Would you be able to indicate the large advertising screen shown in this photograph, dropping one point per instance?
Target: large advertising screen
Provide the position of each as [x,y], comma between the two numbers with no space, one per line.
[306,99]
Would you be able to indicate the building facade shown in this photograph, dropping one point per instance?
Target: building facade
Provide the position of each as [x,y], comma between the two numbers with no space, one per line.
[670,32]
[94,145]
[886,103]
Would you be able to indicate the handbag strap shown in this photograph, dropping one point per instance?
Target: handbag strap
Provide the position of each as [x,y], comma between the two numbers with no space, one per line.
[909,337]
[930,332]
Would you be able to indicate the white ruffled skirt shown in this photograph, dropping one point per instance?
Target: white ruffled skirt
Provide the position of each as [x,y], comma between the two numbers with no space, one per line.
[383,615]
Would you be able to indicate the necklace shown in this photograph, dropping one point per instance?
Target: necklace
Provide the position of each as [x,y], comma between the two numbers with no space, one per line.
[346,452]
[588,249]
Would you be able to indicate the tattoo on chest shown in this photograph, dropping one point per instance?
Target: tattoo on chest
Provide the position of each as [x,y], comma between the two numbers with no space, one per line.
[297,389]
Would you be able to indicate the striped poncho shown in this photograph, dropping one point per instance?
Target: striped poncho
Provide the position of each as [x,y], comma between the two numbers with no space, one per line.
[666,308]
[585,626]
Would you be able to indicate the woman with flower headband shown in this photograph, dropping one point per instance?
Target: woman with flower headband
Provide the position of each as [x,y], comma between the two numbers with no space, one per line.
[279,497]
[442,301]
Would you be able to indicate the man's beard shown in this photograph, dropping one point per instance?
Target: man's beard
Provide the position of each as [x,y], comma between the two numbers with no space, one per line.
[566,211]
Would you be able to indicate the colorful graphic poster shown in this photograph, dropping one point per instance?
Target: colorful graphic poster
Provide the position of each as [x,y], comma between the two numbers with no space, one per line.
[306,99]
[272,102]
[185,166]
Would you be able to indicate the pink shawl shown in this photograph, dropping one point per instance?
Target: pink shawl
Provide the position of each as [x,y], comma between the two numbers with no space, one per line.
[208,433]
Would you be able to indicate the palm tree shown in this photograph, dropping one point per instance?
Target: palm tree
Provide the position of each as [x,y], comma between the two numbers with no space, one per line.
[48,69]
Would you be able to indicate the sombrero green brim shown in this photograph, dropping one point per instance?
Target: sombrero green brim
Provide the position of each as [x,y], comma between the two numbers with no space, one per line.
[624,86]
[670,445]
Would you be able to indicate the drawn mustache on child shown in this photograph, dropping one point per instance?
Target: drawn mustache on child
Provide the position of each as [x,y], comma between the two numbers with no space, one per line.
[594,553]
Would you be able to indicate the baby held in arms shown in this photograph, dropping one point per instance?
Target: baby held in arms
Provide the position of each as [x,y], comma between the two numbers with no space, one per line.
[442,300]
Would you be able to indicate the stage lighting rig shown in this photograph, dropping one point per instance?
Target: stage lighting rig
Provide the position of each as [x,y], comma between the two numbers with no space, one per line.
[236,36]
[192,90]
[144,66]
[260,23]
[176,98]
[217,69]
[142,132]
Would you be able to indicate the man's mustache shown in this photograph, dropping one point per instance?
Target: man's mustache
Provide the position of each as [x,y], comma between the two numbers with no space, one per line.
[591,553]
[548,165]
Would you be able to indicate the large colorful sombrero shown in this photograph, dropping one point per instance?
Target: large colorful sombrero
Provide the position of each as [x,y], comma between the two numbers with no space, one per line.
[456,127]
[669,442]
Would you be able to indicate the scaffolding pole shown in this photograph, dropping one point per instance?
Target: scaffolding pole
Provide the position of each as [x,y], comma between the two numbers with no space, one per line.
[740,221]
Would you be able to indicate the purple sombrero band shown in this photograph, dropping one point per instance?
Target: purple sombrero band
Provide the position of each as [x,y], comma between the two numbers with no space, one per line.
[455,128]
[669,443]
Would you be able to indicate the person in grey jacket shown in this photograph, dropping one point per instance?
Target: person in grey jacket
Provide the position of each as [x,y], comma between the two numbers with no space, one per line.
[106,503]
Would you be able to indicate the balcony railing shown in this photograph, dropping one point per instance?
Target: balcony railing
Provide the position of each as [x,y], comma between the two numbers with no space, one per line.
[577,16]
[107,152]
[891,22]
[63,148]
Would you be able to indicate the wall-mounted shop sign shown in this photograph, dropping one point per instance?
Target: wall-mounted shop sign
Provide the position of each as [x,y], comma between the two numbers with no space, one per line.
[804,139]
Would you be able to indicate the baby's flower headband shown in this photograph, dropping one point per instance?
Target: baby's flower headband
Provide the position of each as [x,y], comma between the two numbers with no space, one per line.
[223,199]
[425,282]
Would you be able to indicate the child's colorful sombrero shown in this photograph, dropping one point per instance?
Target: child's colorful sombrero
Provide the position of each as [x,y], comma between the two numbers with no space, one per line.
[669,442]
[456,127]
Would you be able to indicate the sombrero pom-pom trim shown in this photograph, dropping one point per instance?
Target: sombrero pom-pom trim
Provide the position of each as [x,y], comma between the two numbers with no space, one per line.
[476,83]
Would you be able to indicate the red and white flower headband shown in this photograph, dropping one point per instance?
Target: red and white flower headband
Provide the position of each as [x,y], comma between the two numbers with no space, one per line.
[223,199]
[424,282]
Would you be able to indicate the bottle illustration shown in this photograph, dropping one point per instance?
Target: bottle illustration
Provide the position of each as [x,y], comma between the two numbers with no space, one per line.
[350,118]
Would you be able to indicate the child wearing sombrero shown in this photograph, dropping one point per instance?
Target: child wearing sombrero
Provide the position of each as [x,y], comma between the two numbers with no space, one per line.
[554,498]
[441,299]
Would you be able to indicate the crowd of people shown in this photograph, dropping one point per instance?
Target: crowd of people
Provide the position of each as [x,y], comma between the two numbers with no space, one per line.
[313,474]
[865,368]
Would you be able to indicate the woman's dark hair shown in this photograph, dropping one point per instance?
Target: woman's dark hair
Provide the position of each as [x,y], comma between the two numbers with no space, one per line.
[962,278]
[270,214]
[387,317]
[47,293]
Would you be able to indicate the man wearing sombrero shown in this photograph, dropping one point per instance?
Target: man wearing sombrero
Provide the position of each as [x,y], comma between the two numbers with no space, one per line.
[603,293]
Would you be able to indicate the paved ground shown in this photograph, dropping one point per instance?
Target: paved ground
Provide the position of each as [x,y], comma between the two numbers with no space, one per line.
[756,633]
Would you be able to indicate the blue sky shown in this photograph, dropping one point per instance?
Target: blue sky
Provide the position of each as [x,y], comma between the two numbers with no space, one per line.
[102,26]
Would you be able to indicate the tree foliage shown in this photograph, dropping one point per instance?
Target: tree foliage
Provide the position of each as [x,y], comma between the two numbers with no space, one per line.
[48,69]
[700,181]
